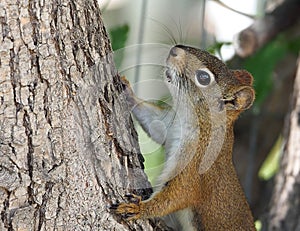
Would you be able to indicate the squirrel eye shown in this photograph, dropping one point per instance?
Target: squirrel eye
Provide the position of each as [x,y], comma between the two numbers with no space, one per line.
[203,78]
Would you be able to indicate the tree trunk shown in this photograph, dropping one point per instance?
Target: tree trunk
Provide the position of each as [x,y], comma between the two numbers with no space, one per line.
[285,206]
[67,145]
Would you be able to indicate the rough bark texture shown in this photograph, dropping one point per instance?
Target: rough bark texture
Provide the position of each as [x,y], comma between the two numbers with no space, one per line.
[67,147]
[285,206]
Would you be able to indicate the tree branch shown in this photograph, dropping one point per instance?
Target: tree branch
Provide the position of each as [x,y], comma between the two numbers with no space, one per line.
[265,29]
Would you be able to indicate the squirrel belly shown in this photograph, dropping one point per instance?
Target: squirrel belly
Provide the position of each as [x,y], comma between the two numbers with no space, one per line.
[199,182]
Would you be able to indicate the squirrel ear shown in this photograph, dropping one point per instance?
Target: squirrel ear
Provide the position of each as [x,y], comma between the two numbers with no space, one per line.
[244,77]
[243,98]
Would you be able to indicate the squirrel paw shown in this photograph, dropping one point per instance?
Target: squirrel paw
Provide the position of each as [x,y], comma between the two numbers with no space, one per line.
[124,80]
[131,99]
[126,85]
[131,210]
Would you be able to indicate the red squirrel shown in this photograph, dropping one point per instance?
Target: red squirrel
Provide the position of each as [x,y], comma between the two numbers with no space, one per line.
[199,182]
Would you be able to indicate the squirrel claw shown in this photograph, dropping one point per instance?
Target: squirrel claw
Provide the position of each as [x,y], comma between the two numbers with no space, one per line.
[128,92]
[125,82]
[113,206]
[129,211]
[126,85]
[132,198]
[128,216]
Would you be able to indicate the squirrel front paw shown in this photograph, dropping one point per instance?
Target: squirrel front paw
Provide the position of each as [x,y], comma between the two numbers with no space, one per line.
[130,97]
[131,210]
[126,85]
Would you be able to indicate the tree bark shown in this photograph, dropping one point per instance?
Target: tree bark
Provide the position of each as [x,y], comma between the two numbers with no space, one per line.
[285,206]
[67,144]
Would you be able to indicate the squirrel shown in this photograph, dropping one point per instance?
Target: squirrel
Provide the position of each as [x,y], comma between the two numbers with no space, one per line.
[199,183]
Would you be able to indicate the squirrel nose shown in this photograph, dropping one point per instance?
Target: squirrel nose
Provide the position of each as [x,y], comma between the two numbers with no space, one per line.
[177,53]
[173,52]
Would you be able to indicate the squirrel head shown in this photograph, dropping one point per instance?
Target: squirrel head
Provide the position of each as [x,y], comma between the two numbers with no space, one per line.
[208,82]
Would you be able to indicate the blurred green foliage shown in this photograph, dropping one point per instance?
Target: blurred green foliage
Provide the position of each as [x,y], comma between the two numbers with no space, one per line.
[271,164]
[118,37]
[153,154]
[258,225]
[262,64]
[215,49]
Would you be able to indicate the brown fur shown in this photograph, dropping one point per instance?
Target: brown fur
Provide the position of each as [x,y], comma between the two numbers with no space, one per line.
[215,196]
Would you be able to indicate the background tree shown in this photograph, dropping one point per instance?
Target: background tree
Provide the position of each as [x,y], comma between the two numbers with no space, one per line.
[285,203]
[67,145]
[273,41]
